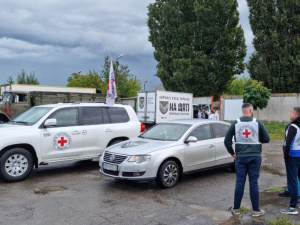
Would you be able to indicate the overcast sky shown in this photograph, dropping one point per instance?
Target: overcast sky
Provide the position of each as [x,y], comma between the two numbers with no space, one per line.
[56,38]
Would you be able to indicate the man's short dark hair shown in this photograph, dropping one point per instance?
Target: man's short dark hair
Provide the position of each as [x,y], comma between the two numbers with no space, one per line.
[297,110]
[246,105]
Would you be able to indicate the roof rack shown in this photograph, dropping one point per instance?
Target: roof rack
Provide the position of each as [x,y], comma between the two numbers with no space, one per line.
[78,102]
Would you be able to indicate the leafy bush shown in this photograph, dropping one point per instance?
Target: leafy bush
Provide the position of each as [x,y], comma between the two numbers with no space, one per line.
[257,94]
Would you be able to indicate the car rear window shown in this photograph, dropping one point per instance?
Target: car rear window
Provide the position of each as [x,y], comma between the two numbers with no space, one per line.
[118,115]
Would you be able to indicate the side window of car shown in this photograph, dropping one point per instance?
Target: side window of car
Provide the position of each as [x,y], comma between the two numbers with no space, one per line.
[91,115]
[65,117]
[105,115]
[202,132]
[118,115]
[219,129]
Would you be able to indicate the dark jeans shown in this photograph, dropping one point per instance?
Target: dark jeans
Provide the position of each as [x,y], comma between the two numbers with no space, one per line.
[251,166]
[293,171]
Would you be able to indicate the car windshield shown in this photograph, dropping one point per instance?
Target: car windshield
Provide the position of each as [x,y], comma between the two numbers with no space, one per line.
[30,116]
[6,97]
[166,132]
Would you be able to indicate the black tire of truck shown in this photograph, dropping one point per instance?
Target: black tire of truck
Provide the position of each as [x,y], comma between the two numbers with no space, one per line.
[3,119]
[16,165]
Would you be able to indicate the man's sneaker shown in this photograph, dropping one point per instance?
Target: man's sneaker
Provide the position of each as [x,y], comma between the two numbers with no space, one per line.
[258,213]
[235,211]
[284,194]
[289,210]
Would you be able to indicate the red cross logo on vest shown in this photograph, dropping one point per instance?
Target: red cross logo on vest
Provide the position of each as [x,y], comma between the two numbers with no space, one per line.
[246,133]
[62,141]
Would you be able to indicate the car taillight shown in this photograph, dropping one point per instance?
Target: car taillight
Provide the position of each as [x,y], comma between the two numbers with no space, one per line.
[143,127]
[7,110]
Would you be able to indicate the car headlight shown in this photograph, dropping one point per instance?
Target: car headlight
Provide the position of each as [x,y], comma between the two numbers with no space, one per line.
[139,158]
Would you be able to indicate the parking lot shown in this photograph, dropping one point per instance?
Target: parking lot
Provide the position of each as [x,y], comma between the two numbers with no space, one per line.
[75,193]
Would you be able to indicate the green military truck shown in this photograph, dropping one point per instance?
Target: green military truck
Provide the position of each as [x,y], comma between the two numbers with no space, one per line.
[17,98]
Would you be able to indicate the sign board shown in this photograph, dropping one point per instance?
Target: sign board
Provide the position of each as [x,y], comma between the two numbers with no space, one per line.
[161,106]
[173,105]
[233,109]
[146,107]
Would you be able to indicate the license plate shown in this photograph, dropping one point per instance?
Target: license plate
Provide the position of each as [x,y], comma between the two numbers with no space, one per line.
[110,167]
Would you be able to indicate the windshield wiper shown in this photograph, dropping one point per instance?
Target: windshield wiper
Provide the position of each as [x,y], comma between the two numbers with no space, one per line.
[22,122]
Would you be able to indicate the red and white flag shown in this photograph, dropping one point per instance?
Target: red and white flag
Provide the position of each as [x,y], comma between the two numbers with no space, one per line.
[111,87]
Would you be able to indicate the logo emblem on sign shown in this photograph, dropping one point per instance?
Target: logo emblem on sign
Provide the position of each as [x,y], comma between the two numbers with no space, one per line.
[141,102]
[62,141]
[247,134]
[163,107]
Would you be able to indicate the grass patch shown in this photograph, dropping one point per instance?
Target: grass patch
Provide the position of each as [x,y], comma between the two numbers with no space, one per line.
[276,130]
[281,220]
[276,189]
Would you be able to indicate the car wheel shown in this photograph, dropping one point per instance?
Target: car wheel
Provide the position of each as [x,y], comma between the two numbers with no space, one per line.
[168,174]
[16,164]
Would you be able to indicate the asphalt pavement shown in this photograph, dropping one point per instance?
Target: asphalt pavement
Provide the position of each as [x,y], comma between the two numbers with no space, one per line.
[75,193]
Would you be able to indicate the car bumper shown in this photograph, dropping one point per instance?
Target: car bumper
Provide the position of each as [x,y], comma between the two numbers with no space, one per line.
[130,171]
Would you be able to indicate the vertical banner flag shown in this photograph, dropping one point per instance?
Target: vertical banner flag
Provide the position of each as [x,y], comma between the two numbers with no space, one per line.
[111,87]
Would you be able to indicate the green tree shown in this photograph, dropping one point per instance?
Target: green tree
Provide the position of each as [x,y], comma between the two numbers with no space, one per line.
[10,80]
[276,29]
[91,80]
[24,78]
[257,94]
[127,84]
[198,44]
[237,85]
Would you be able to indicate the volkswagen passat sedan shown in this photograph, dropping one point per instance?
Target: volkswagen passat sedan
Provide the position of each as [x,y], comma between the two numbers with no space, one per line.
[167,151]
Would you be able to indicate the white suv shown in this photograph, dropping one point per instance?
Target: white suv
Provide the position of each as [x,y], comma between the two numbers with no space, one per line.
[60,132]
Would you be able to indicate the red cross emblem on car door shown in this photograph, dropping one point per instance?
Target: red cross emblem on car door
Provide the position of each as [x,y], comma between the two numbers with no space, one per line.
[62,141]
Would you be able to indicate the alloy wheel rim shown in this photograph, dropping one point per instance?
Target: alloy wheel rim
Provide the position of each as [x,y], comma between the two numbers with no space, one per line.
[16,165]
[170,174]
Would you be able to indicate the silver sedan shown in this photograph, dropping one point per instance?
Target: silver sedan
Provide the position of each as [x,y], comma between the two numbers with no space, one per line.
[167,151]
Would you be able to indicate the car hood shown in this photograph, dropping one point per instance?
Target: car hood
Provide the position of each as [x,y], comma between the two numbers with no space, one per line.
[140,146]
[8,126]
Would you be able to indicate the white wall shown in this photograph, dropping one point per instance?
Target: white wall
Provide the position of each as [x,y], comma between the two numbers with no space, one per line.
[278,108]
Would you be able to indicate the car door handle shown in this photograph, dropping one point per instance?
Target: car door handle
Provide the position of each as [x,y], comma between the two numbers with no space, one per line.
[108,130]
[75,132]
[211,146]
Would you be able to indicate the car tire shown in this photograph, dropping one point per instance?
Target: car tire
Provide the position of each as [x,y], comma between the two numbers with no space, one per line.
[168,174]
[16,164]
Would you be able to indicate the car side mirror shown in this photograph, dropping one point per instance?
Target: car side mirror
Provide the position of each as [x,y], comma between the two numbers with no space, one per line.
[50,123]
[191,139]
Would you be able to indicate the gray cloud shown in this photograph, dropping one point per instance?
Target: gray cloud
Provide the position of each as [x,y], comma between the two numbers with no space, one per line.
[55,38]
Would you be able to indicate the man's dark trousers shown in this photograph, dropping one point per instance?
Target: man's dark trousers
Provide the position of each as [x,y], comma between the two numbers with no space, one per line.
[251,166]
[292,171]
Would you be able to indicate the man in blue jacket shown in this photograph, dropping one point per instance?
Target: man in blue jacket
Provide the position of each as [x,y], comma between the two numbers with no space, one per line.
[291,152]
